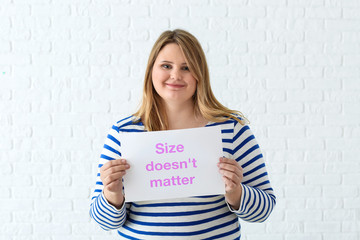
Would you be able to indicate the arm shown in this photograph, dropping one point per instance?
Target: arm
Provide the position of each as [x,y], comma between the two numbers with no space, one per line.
[257,198]
[107,208]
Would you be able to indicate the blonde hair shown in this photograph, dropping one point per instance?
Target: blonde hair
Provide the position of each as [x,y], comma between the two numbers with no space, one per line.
[152,112]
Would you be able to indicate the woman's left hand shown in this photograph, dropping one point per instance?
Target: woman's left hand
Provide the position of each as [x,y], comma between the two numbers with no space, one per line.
[232,175]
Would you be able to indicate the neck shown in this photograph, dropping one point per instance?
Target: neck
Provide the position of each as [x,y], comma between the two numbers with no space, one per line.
[182,116]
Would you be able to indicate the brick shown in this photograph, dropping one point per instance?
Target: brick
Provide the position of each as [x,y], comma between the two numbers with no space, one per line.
[234,24]
[342,25]
[328,36]
[320,227]
[52,229]
[50,107]
[304,48]
[283,227]
[285,12]
[335,236]
[303,191]
[32,216]
[342,72]
[302,95]
[16,180]
[340,191]
[293,180]
[350,13]
[285,107]
[320,179]
[351,60]
[341,168]
[82,180]
[324,203]
[49,156]
[303,236]
[69,193]
[70,119]
[351,178]
[130,10]
[286,131]
[342,48]
[247,11]
[304,72]
[85,35]
[30,193]
[14,204]
[336,214]
[323,60]
[22,8]
[282,83]
[342,144]
[267,48]
[5,46]
[351,84]
[335,119]
[321,12]
[350,156]
[207,11]
[168,10]
[305,168]
[15,59]
[48,205]
[286,60]
[352,203]
[13,229]
[53,181]
[34,168]
[6,144]
[250,60]
[5,193]
[247,36]
[294,215]
[322,131]
[70,217]
[32,144]
[50,9]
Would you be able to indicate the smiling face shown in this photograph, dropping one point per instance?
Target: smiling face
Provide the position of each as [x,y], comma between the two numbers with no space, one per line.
[171,76]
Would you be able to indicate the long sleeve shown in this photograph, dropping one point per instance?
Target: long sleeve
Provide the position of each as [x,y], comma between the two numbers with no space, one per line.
[257,199]
[106,215]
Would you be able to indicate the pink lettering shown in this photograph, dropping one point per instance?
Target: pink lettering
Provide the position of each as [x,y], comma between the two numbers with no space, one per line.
[165,148]
[173,181]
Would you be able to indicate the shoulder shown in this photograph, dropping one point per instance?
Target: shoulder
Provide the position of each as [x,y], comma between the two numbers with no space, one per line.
[129,124]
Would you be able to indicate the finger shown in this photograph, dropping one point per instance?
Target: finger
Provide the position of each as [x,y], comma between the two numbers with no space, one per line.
[224,160]
[230,167]
[114,186]
[113,163]
[115,169]
[113,178]
[232,176]
[229,184]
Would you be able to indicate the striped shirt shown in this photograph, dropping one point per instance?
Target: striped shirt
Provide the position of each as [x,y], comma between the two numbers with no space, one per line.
[198,217]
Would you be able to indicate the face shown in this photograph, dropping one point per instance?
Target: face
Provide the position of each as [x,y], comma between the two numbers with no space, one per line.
[171,76]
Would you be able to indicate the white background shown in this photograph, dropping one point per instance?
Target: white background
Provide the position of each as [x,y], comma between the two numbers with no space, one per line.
[69,69]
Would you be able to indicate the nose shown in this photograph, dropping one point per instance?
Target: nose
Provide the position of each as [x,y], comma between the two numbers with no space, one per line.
[175,74]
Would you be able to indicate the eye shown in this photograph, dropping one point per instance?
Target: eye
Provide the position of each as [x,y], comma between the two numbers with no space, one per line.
[186,68]
[166,66]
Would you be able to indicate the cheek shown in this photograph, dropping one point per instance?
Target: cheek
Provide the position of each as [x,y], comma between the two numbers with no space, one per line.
[158,75]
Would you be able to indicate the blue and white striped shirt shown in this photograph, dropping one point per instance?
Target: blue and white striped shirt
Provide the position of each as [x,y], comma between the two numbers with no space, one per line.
[205,217]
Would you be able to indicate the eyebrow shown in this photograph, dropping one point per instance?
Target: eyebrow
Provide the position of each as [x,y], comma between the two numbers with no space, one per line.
[165,61]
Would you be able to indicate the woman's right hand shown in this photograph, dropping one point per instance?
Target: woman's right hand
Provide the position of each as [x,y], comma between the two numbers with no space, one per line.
[111,174]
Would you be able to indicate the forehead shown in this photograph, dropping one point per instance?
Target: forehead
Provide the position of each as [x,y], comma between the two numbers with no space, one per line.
[171,52]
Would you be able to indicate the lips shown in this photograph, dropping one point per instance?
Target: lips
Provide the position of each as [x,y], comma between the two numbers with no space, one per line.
[175,85]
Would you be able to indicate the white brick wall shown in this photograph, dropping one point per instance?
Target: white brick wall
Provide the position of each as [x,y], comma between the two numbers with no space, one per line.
[70,69]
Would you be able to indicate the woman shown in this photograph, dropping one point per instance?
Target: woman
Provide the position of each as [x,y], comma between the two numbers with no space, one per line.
[177,95]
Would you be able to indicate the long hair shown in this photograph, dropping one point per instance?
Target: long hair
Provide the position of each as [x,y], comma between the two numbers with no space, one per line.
[152,112]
